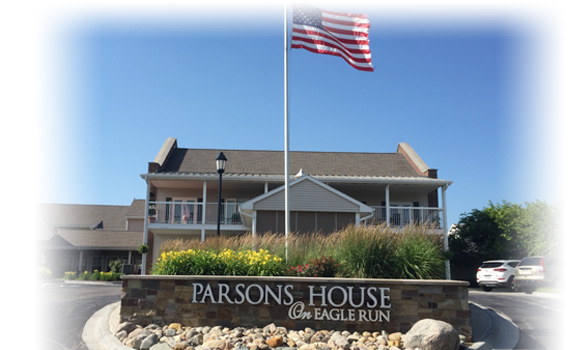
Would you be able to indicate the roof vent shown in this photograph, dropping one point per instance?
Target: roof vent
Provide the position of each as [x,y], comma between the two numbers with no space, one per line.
[300,174]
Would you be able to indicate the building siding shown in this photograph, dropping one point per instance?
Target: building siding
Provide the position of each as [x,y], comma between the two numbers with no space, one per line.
[307,196]
[304,222]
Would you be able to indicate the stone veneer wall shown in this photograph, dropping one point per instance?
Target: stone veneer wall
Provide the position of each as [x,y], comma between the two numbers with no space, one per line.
[235,301]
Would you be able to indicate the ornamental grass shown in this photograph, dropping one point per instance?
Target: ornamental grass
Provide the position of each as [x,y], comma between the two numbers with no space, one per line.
[412,252]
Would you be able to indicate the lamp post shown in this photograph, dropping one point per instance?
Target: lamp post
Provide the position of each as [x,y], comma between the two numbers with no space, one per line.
[220,167]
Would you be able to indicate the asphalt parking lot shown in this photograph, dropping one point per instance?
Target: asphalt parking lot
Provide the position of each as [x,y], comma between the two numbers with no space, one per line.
[66,307]
[538,315]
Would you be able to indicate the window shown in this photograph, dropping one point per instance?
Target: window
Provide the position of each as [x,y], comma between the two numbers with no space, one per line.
[97,263]
[182,211]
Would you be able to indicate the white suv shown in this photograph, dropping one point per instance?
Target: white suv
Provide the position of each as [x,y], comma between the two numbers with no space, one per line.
[496,273]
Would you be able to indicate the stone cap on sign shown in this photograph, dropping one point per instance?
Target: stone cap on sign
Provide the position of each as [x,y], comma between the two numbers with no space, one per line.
[299,279]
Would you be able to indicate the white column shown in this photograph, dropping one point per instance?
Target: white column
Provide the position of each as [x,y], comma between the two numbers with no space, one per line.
[203,210]
[146,225]
[388,205]
[254,230]
[80,260]
[253,223]
[446,228]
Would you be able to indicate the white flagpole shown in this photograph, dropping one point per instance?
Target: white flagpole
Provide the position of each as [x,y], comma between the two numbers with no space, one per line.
[287,217]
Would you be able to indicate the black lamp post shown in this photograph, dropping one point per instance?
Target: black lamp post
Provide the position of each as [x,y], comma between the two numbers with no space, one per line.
[220,167]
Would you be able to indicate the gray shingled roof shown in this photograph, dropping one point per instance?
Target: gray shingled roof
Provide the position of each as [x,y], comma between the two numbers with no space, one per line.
[79,215]
[72,222]
[97,239]
[202,161]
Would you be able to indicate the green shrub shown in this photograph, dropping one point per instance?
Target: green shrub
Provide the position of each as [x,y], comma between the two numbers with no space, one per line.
[319,267]
[70,275]
[323,267]
[299,270]
[109,276]
[44,273]
[115,266]
[95,276]
[226,262]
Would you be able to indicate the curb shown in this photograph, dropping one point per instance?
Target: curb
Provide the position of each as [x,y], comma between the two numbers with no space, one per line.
[97,332]
[94,283]
[497,331]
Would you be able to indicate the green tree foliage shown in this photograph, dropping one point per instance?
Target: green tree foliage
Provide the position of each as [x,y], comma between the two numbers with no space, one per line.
[503,231]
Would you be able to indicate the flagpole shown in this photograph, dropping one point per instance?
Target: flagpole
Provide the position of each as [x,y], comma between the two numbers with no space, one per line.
[286,111]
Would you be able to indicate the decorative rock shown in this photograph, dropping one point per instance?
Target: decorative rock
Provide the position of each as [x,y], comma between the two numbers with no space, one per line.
[308,347]
[138,340]
[215,344]
[195,340]
[353,337]
[137,332]
[121,335]
[149,341]
[275,341]
[126,326]
[321,337]
[394,339]
[270,329]
[431,334]
[161,346]
[428,335]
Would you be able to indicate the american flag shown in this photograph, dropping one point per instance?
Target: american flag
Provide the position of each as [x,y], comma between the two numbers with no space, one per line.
[333,33]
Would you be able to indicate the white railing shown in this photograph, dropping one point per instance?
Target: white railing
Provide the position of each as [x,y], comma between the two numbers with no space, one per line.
[190,212]
[403,216]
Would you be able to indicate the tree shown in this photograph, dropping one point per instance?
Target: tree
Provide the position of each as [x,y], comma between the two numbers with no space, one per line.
[503,231]
[477,239]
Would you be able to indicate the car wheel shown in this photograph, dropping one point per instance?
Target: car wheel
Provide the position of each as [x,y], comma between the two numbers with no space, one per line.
[511,286]
[528,290]
[486,289]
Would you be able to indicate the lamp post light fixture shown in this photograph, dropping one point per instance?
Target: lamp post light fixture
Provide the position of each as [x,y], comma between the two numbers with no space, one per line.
[220,167]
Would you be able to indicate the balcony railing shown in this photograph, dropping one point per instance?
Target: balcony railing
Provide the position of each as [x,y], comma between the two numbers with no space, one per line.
[190,212]
[403,216]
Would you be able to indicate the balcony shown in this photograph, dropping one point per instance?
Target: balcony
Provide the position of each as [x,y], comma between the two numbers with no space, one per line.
[193,213]
[403,216]
[196,213]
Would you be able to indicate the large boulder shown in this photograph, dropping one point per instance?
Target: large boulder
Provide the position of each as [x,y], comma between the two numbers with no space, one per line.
[431,334]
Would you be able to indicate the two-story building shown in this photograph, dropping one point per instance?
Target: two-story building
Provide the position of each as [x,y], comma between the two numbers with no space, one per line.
[75,237]
[328,191]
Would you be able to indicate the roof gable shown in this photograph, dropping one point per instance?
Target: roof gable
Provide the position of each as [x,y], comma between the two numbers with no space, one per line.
[307,194]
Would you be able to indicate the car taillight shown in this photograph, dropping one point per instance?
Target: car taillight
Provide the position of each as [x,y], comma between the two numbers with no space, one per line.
[541,267]
[500,270]
[479,269]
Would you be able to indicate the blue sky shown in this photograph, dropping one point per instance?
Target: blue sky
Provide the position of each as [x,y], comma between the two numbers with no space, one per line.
[490,93]
[463,89]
